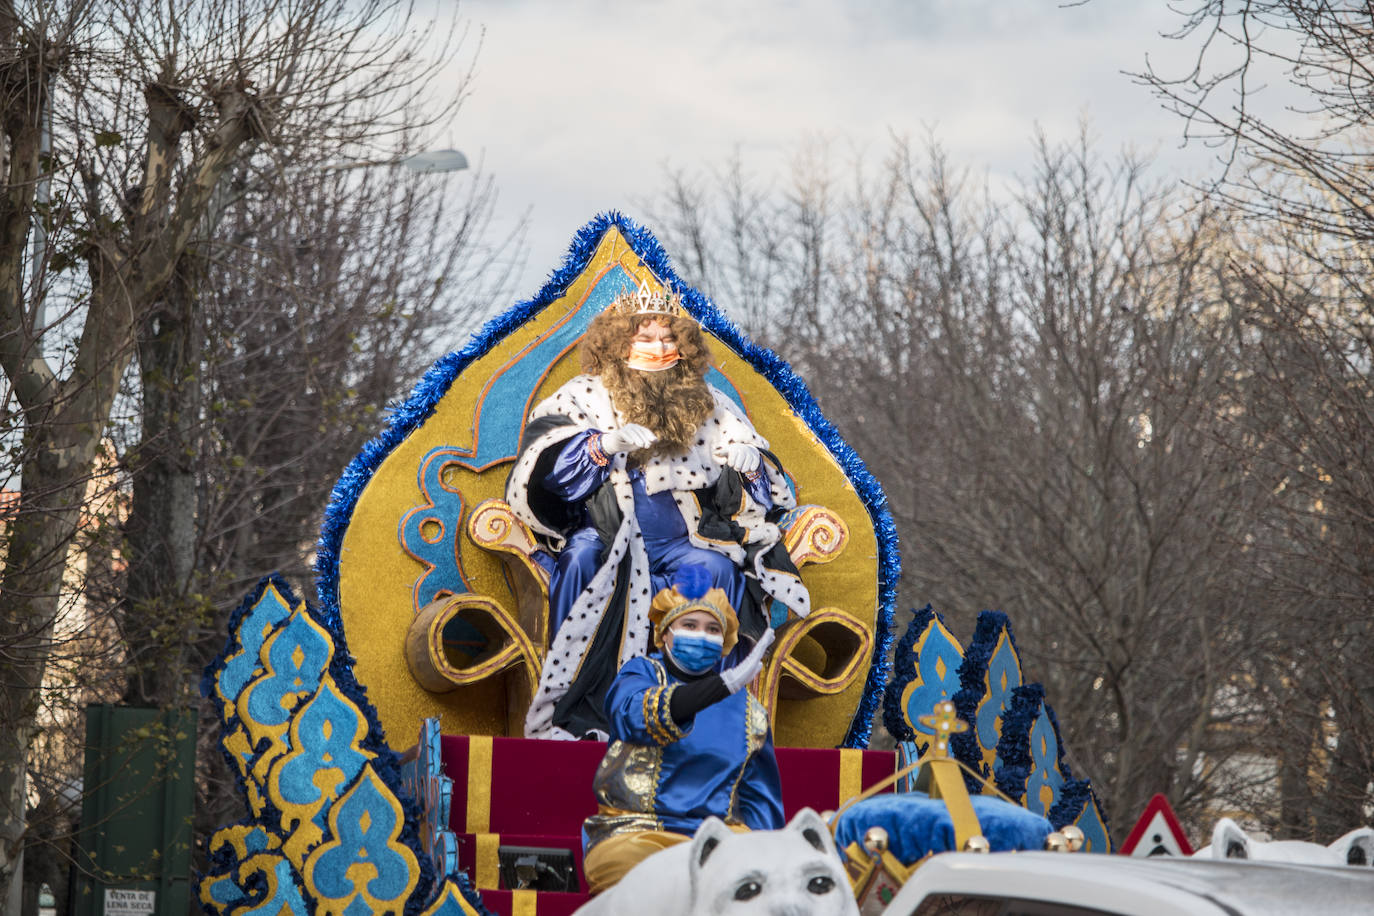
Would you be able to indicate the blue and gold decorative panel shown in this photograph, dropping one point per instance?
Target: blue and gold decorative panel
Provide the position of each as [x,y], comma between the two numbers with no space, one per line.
[331,829]
[1032,768]
[1046,779]
[261,884]
[991,671]
[363,867]
[249,629]
[294,658]
[1012,741]
[324,755]
[248,873]
[925,671]
[1096,836]
[238,665]
[450,903]
[429,532]
[395,537]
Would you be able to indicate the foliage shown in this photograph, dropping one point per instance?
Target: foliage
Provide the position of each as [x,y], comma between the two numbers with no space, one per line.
[168,244]
[1062,396]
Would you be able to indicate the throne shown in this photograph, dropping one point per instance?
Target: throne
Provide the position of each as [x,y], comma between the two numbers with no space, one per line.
[817,655]
[444,592]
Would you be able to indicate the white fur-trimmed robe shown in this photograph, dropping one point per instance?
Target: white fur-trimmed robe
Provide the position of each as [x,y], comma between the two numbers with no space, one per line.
[586,403]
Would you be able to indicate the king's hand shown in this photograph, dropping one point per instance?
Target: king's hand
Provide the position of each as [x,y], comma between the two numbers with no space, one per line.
[628,438]
[741,457]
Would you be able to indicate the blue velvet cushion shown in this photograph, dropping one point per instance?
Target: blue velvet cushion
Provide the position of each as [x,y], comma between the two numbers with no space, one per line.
[916,824]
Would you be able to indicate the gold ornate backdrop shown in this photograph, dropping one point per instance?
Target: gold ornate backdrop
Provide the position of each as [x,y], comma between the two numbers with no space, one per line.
[418,500]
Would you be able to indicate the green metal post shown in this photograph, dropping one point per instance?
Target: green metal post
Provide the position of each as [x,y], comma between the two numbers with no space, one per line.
[134,845]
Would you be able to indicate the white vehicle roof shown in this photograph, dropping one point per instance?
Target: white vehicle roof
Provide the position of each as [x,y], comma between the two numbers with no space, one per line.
[1160,886]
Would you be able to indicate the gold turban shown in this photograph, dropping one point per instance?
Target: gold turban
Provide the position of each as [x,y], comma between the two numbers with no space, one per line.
[670,604]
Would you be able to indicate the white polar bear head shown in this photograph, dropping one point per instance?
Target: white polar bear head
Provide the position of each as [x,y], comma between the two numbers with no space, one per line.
[1230,842]
[795,870]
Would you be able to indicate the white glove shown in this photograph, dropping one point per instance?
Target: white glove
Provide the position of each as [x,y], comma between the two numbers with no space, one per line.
[741,457]
[748,669]
[628,438]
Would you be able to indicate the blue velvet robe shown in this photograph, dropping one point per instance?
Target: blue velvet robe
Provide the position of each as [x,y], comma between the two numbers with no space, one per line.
[575,476]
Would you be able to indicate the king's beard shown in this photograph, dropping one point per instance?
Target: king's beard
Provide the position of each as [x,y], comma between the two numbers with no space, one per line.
[672,404]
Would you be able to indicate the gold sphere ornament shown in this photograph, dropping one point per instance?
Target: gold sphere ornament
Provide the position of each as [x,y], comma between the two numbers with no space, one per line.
[1074,836]
[977,843]
[875,840]
[1056,842]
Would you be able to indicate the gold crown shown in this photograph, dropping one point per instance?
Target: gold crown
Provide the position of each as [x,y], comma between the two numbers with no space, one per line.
[647,302]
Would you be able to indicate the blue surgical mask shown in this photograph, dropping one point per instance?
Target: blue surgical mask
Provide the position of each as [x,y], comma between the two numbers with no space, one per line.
[696,653]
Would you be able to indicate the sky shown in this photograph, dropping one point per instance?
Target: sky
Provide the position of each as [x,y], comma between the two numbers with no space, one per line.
[579,106]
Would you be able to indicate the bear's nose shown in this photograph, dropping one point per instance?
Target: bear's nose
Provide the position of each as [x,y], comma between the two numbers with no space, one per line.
[799,904]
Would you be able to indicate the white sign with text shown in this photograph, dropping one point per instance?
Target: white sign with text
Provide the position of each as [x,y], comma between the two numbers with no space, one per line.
[123,901]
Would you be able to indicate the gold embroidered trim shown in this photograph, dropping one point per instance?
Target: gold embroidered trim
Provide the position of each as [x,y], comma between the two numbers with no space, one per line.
[674,730]
[647,708]
[755,734]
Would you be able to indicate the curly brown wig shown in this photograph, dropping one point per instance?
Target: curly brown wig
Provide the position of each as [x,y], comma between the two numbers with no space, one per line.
[671,403]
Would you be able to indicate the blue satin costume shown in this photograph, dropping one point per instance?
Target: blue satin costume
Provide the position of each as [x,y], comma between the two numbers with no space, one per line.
[659,776]
[575,476]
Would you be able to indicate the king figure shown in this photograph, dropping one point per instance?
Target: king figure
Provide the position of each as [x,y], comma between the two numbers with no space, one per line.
[629,471]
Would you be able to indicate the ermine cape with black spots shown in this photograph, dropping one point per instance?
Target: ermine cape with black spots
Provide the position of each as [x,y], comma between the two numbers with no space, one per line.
[608,623]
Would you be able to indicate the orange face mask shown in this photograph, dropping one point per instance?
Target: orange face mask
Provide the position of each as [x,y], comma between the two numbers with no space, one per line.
[648,358]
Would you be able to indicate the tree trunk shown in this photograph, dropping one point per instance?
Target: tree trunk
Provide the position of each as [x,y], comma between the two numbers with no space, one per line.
[41,533]
[1294,757]
[1350,770]
[159,606]
[47,860]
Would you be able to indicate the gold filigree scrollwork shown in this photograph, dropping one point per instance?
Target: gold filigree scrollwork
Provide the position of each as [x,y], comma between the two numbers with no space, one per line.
[817,655]
[493,526]
[815,535]
[439,669]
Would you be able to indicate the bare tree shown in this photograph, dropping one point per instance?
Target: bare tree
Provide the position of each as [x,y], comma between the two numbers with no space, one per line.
[328,292]
[1307,428]
[1300,294]
[1042,387]
[1316,57]
[121,121]
[761,250]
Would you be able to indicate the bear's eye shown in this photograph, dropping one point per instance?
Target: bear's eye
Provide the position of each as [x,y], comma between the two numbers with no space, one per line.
[821,885]
[748,890]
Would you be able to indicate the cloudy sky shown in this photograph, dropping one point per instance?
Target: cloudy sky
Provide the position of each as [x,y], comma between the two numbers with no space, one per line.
[578,106]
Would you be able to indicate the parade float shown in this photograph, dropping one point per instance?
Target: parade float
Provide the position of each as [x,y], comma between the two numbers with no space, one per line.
[377,732]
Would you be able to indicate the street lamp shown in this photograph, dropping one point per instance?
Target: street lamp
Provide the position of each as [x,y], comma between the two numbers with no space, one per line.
[426,162]
[437,160]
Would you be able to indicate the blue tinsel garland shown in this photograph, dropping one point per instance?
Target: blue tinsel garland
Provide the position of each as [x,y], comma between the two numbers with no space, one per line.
[407,416]
[1013,748]
[972,687]
[1073,797]
[904,664]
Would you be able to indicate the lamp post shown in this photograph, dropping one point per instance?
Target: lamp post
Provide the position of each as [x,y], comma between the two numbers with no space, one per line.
[426,162]
[438,160]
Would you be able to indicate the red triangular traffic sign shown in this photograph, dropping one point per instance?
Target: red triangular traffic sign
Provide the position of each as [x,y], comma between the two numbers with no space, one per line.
[1157,833]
